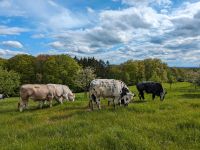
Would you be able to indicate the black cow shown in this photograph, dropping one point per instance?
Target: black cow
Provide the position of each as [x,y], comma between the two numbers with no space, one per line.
[154,88]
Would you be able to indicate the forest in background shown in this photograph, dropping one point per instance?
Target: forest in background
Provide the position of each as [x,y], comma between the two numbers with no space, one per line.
[78,72]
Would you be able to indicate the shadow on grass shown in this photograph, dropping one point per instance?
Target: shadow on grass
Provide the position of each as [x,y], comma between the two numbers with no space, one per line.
[32,108]
[61,117]
[8,111]
[190,96]
[139,101]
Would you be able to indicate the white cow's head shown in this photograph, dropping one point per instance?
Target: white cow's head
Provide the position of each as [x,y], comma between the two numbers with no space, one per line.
[21,106]
[127,98]
[69,96]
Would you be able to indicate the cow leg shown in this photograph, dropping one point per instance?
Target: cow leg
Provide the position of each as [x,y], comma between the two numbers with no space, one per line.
[139,95]
[108,103]
[142,95]
[45,102]
[21,105]
[92,99]
[91,105]
[60,100]
[153,96]
[50,103]
[98,103]
[115,101]
[119,102]
[41,104]
[26,104]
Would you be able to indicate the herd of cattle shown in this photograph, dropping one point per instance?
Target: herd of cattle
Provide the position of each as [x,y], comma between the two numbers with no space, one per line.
[115,91]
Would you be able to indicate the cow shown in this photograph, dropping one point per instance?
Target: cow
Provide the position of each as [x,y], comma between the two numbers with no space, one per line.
[109,88]
[2,96]
[154,88]
[62,92]
[36,92]
[43,93]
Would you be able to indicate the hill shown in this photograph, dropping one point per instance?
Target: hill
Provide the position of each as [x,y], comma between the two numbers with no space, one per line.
[171,124]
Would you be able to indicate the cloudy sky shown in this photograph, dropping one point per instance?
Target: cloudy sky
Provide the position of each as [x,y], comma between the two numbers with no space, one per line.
[114,30]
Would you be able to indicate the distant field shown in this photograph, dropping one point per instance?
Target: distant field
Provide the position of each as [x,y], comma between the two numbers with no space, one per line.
[171,124]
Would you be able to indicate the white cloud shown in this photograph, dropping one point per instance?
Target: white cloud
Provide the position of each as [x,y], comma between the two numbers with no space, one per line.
[4,30]
[5,53]
[146,2]
[138,30]
[7,8]
[57,45]
[90,10]
[14,44]
[38,36]
[45,15]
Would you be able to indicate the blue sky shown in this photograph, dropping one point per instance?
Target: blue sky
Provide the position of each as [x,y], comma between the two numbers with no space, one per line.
[114,30]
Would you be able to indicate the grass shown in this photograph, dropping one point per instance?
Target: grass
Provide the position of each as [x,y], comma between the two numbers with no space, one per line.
[171,124]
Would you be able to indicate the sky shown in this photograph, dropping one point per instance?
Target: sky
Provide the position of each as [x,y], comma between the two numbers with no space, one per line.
[113,30]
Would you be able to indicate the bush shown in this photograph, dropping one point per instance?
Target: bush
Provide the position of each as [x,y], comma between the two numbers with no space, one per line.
[9,82]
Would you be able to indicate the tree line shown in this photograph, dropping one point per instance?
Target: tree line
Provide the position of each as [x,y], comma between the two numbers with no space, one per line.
[78,72]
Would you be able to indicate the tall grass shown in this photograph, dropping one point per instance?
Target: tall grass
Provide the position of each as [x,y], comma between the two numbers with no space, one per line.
[171,124]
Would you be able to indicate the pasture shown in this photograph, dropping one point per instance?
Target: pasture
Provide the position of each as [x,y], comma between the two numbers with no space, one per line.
[171,124]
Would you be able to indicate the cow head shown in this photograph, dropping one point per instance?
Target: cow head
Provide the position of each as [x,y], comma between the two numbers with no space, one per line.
[162,95]
[70,96]
[125,100]
[21,106]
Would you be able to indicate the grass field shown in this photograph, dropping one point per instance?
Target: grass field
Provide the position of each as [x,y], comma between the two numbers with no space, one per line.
[171,124]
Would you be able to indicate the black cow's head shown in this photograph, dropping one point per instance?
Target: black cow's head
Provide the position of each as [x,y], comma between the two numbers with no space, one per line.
[162,95]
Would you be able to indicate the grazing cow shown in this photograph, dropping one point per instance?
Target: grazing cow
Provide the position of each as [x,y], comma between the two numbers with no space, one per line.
[36,92]
[154,88]
[62,92]
[109,88]
[43,93]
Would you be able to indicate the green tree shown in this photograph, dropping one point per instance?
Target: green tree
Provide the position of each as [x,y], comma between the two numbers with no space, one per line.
[9,82]
[155,77]
[24,65]
[60,69]
[170,79]
[3,63]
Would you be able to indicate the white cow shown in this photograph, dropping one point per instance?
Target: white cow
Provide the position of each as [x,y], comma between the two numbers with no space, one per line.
[109,88]
[62,92]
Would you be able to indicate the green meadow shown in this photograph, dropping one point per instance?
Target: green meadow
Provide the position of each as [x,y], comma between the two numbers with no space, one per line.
[171,124]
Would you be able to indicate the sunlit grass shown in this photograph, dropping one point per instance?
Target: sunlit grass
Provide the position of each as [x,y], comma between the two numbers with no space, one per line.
[171,124]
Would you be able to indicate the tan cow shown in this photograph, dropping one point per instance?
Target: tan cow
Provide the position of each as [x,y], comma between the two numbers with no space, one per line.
[36,92]
[43,93]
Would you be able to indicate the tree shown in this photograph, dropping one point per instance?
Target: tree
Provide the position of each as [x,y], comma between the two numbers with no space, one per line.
[84,78]
[60,69]
[9,82]
[155,77]
[24,65]
[3,63]
[170,79]
[192,77]
[99,66]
